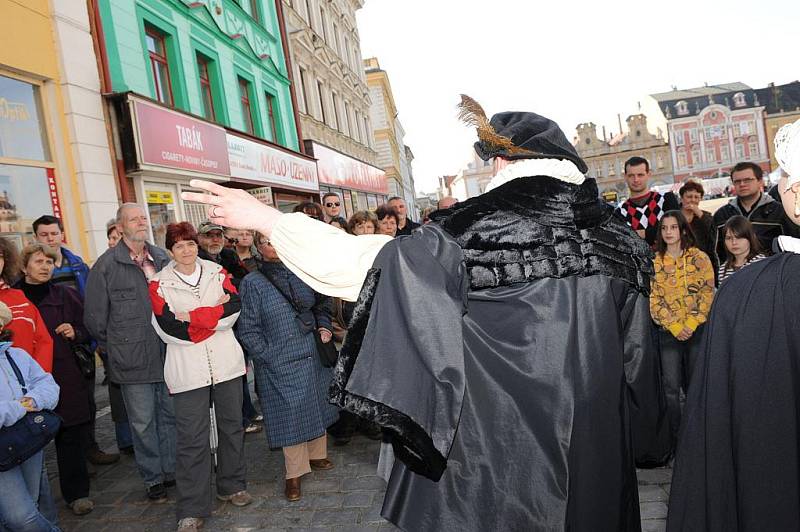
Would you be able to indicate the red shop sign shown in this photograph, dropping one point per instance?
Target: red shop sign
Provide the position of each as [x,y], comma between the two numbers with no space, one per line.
[172,140]
[339,170]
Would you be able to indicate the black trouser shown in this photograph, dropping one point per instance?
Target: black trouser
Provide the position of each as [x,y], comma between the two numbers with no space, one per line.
[677,364]
[248,410]
[73,475]
[193,466]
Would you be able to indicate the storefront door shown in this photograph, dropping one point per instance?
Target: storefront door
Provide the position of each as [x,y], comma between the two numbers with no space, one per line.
[162,208]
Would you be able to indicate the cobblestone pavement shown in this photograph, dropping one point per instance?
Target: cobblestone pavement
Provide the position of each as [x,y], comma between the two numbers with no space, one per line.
[347,498]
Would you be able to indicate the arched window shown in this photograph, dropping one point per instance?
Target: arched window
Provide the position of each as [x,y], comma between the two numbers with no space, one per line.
[682,108]
[738,100]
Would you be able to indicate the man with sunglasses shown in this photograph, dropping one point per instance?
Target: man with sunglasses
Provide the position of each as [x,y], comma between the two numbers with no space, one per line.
[332,205]
[767,215]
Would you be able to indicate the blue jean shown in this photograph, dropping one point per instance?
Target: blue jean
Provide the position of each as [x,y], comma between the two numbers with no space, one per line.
[123,432]
[20,488]
[152,420]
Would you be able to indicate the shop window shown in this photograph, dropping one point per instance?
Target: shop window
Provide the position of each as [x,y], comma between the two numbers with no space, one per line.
[22,128]
[27,175]
[206,93]
[273,119]
[247,110]
[159,65]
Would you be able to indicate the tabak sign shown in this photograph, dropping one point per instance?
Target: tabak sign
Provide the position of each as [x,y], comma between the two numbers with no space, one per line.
[259,162]
[339,170]
[172,140]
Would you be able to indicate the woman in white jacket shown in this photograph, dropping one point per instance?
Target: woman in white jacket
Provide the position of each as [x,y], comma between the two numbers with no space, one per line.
[194,308]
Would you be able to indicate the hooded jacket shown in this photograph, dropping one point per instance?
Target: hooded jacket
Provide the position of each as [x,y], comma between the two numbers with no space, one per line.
[768,219]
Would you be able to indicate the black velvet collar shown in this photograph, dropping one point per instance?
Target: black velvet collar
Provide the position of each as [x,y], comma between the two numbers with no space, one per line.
[538,227]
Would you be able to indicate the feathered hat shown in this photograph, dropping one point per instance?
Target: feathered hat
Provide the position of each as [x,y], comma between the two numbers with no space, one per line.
[517,135]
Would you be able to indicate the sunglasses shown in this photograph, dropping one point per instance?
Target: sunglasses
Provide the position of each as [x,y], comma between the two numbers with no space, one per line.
[329,205]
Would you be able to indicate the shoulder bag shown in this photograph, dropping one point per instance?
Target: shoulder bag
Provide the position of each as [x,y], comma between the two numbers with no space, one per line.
[29,435]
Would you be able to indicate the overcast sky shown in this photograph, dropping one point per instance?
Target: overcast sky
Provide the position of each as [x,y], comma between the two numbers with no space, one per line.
[572,61]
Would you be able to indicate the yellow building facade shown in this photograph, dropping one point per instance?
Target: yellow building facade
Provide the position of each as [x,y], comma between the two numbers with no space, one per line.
[47,112]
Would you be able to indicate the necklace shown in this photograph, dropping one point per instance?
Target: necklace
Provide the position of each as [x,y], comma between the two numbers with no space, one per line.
[186,282]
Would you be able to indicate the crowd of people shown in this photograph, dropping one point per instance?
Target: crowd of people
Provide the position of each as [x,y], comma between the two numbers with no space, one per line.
[178,328]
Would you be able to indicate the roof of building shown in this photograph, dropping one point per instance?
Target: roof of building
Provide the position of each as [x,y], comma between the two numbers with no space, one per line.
[780,98]
[685,94]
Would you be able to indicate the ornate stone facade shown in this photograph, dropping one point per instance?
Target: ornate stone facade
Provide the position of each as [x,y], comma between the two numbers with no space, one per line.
[606,156]
[332,96]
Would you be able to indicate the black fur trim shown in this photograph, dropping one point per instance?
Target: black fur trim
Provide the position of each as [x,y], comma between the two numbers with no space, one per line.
[537,227]
[410,442]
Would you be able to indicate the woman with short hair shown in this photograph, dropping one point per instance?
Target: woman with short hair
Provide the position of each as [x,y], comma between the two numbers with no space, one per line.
[702,222]
[741,247]
[388,220]
[195,305]
[309,208]
[363,223]
[61,309]
[280,317]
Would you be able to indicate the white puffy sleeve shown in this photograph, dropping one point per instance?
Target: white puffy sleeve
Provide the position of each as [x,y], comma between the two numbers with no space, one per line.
[329,260]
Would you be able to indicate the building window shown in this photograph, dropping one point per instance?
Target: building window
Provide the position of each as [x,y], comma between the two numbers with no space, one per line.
[349,129]
[753,145]
[254,10]
[357,128]
[27,171]
[738,100]
[273,119]
[206,95]
[320,93]
[159,65]
[367,132]
[337,46]
[738,149]
[707,133]
[680,140]
[247,109]
[660,161]
[696,157]
[309,18]
[611,170]
[303,92]
[335,117]
[711,154]
[725,152]
[323,22]
[682,108]
[682,159]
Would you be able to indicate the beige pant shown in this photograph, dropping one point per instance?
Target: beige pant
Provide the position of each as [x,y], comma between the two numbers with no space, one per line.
[297,456]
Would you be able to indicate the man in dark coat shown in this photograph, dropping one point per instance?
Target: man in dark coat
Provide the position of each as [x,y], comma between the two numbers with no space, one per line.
[506,347]
[212,247]
[738,461]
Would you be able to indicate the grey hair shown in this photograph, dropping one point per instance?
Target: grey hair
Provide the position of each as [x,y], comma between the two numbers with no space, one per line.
[121,210]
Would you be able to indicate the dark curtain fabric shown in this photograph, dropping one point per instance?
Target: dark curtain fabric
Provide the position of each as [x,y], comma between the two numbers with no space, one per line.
[737,467]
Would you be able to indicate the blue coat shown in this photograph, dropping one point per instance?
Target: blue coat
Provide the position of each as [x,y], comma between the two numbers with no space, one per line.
[291,382]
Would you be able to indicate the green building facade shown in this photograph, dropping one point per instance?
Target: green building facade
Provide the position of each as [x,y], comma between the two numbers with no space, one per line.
[214,53]
[201,89]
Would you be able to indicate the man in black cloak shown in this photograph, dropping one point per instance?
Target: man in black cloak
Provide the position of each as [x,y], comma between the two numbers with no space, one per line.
[738,463]
[506,347]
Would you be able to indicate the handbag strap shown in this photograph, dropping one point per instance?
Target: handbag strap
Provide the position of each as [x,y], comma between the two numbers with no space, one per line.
[268,274]
[17,372]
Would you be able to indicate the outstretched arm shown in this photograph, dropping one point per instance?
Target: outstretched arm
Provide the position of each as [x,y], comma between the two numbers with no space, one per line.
[327,259]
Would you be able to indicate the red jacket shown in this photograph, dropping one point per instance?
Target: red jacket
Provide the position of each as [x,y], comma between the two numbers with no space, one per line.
[28,329]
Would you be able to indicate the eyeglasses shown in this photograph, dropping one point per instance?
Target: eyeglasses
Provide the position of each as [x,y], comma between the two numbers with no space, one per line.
[332,204]
[744,180]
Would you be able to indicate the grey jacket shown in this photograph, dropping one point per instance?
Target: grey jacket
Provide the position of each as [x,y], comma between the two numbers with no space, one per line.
[118,313]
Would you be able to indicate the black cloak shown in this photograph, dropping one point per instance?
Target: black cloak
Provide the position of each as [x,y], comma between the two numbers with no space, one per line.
[508,350]
[738,463]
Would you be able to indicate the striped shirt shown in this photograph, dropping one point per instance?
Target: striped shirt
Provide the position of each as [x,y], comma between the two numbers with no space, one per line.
[727,269]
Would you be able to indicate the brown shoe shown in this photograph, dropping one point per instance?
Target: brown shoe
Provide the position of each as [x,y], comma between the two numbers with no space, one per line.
[321,465]
[293,489]
[98,457]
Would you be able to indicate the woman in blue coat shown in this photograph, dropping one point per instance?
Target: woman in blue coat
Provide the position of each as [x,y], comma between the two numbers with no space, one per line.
[276,326]
[24,488]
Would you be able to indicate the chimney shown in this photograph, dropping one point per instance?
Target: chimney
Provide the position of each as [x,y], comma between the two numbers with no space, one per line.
[619,121]
[604,134]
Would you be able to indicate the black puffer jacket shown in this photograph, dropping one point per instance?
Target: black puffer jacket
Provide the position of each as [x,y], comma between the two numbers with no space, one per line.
[768,219]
